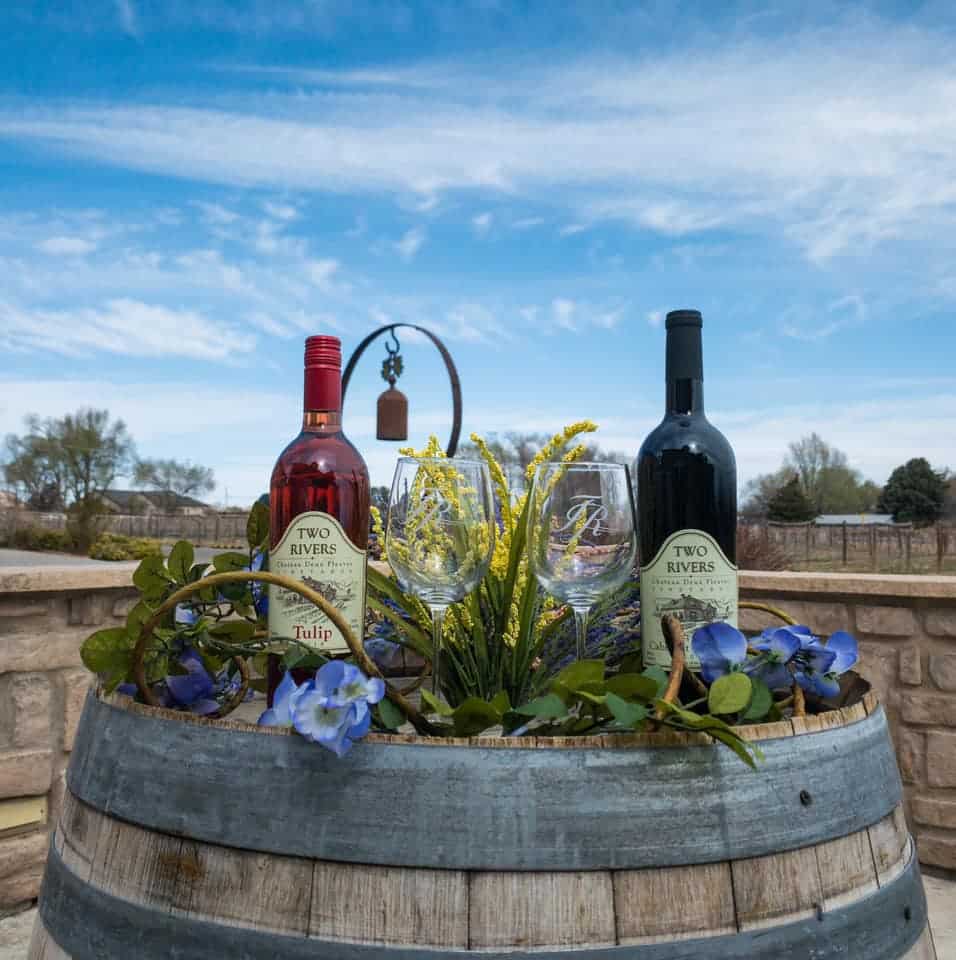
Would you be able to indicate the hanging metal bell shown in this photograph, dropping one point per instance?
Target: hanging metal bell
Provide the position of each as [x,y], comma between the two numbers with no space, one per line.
[392,419]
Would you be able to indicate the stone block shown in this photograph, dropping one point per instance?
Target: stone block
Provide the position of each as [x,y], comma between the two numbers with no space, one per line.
[910,753]
[941,759]
[937,850]
[886,621]
[76,683]
[942,671]
[827,618]
[929,708]
[933,812]
[25,773]
[86,609]
[25,710]
[48,645]
[122,605]
[21,867]
[13,606]
[941,623]
[911,667]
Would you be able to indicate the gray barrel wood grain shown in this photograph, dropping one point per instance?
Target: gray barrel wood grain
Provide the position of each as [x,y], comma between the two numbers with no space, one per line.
[90,924]
[475,808]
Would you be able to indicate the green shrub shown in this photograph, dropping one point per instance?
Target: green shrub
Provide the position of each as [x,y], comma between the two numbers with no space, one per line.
[39,538]
[115,546]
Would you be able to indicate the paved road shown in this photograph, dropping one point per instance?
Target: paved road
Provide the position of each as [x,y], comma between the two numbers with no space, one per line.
[33,558]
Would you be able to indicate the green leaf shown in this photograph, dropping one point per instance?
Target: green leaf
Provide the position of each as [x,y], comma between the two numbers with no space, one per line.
[180,561]
[627,714]
[390,716]
[135,620]
[730,693]
[581,672]
[435,705]
[632,663]
[633,686]
[230,561]
[760,702]
[745,751]
[257,527]
[549,707]
[473,716]
[197,572]
[233,631]
[660,677]
[500,702]
[151,578]
[108,652]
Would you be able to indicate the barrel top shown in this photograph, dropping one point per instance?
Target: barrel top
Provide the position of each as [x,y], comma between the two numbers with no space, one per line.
[662,738]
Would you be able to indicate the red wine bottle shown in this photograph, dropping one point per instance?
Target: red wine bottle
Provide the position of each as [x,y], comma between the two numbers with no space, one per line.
[687,504]
[319,504]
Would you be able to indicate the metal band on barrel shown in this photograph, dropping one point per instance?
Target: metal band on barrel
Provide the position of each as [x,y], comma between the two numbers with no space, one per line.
[89,924]
[477,808]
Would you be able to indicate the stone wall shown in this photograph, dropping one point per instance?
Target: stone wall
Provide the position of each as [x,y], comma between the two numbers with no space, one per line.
[906,626]
[45,613]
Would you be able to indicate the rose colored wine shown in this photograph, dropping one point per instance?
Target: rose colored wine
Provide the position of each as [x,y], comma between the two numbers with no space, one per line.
[319,502]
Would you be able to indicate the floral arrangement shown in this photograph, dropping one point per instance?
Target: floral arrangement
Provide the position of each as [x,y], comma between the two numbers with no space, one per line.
[197,639]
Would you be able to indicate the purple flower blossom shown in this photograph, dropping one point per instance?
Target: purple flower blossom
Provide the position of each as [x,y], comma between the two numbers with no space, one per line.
[820,667]
[280,713]
[777,647]
[260,594]
[194,689]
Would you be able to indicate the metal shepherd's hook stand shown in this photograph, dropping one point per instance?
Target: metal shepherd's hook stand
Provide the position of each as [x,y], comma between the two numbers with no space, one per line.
[391,372]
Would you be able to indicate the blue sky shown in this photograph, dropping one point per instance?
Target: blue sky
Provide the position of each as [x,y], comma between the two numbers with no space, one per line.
[187,189]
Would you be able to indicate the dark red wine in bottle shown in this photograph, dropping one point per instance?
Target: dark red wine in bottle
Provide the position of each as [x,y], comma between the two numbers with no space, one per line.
[687,504]
[319,503]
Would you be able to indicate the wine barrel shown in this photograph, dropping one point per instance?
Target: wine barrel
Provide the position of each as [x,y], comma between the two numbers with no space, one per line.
[197,840]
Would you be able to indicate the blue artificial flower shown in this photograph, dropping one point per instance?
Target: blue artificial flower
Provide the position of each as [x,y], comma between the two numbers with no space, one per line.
[260,594]
[185,615]
[778,646]
[720,648]
[332,709]
[280,713]
[824,665]
[194,689]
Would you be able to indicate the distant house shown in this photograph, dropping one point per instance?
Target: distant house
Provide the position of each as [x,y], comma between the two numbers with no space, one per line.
[854,519]
[142,502]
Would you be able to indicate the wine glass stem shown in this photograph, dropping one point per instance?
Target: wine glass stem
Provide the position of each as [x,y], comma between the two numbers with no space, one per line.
[581,625]
[438,619]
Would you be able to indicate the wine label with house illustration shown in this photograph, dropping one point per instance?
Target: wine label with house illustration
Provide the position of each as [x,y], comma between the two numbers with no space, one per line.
[316,550]
[692,579]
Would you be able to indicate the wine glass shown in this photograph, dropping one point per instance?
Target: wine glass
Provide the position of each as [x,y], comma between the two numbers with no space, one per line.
[581,533]
[440,534]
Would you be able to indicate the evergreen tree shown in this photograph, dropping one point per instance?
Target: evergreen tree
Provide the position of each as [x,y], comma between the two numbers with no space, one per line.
[790,504]
[915,493]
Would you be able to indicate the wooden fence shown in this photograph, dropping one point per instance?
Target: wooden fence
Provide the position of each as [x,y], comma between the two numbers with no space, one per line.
[886,548]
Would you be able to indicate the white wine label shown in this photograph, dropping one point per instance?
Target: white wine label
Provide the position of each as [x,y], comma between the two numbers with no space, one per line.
[692,579]
[316,550]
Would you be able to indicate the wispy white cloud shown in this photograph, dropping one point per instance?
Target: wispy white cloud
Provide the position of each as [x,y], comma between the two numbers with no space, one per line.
[655,317]
[562,312]
[128,18]
[410,243]
[840,314]
[850,157]
[66,246]
[481,223]
[124,327]
[280,211]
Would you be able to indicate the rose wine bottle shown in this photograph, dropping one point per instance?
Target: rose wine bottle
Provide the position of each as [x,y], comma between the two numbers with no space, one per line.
[319,504]
[687,505]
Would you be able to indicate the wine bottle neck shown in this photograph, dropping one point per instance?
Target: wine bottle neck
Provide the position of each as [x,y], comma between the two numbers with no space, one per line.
[685,369]
[317,421]
[685,396]
[322,401]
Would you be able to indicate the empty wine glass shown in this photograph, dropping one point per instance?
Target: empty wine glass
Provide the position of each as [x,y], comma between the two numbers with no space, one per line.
[440,534]
[581,533]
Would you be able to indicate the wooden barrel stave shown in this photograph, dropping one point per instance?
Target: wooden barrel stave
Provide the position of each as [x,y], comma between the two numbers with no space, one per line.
[358,911]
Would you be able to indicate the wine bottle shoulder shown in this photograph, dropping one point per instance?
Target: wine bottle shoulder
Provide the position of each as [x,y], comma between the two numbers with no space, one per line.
[693,435]
[322,452]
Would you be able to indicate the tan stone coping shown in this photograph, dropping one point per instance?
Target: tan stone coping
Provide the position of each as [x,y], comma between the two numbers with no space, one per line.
[849,584]
[53,579]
